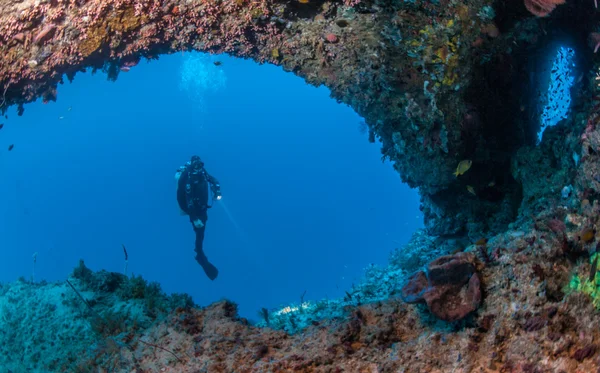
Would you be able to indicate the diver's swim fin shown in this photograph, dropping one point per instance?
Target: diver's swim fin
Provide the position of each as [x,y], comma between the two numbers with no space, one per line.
[211,271]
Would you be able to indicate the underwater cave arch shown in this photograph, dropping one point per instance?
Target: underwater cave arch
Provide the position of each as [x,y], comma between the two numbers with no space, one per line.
[438,84]
[406,69]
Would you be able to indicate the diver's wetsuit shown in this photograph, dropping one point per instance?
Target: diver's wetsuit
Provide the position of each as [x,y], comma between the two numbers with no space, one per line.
[192,197]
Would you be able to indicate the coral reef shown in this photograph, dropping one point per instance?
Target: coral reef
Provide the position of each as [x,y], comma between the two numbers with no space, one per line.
[75,326]
[503,278]
[533,317]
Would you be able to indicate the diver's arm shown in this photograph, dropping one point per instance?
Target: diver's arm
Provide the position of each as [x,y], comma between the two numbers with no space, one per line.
[215,187]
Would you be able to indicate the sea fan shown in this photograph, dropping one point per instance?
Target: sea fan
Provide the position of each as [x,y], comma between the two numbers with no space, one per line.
[541,8]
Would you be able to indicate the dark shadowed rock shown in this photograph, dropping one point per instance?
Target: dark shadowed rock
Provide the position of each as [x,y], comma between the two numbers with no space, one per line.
[452,303]
[413,291]
[584,353]
[451,269]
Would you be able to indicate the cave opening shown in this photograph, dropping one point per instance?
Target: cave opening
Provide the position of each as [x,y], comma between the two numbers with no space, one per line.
[307,202]
[514,97]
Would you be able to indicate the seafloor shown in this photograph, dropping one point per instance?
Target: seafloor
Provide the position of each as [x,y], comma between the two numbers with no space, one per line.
[502,279]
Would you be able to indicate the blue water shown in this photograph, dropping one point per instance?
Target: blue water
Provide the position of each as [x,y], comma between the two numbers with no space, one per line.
[307,202]
[557,99]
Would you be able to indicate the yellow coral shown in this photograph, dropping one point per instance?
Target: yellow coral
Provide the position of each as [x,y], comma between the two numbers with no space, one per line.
[452,44]
[94,40]
[442,53]
[427,31]
[462,12]
[451,75]
[125,21]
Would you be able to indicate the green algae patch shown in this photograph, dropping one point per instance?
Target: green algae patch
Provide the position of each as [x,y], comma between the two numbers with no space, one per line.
[589,285]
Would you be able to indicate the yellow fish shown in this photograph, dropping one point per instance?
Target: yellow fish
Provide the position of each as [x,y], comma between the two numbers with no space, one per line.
[463,166]
[585,203]
[471,190]
[587,235]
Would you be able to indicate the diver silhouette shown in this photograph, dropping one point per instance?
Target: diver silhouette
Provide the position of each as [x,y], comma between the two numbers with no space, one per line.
[192,196]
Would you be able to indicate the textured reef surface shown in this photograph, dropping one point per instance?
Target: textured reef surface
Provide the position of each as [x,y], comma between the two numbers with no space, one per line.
[524,301]
[503,278]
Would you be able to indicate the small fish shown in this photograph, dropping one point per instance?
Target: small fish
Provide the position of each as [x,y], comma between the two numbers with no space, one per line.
[594,269]
[492,183]
[217,63]
[471,190]
[481,242]
[10,147]
[303,1]
[1,125]
[585,203]
[61,117]
[70,108]
[587,235]
[463,166]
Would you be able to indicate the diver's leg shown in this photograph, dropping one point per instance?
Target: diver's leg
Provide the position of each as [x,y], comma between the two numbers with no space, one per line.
[210,270]
[199,239]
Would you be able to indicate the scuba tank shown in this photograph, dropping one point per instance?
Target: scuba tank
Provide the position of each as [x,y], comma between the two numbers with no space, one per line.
[180,170]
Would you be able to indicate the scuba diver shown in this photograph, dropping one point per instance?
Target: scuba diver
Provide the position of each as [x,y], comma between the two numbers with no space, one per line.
[192,196]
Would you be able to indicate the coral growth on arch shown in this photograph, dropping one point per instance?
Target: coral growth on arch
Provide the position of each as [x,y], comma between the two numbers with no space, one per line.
[542,8]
